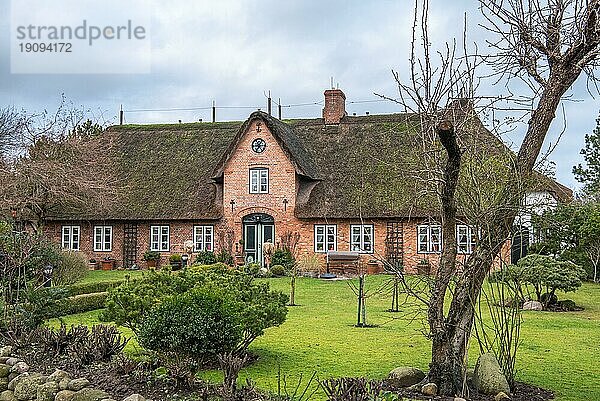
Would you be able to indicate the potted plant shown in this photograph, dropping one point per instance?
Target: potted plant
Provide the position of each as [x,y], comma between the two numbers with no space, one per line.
[175,261]
[93,264]
[151,258]
[373,267]
[108,263]
[423,267]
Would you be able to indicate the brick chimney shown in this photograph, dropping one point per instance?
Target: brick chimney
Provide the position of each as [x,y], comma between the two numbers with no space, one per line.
[335,106]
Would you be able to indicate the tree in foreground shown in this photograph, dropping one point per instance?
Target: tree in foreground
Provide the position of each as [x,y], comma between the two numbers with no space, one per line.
[547,46]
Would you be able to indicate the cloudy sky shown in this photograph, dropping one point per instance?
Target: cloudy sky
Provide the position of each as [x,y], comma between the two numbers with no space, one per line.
[233,52]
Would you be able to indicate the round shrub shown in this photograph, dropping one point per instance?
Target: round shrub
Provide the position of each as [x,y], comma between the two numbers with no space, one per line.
[206,258]
[277,270]
[199,323]
[252,268]
[70,268]
[283,257]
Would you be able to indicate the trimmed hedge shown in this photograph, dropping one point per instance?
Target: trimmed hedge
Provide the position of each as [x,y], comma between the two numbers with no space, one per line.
[92,287]
[78,304]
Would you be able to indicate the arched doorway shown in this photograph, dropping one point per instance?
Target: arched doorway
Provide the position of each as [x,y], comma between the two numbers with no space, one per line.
[258,228]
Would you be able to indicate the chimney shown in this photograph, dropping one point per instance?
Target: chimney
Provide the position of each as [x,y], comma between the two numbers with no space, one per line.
[335,106]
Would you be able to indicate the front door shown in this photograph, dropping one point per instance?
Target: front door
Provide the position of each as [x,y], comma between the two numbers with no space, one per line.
[259,228]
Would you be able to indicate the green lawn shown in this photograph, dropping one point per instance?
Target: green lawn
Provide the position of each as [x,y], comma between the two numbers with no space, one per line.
[109,275]
[560,351]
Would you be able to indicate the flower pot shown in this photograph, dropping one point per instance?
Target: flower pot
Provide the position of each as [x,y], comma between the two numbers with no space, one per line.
[176,265]
[94,265]
[151,264]
[373,268]
[423,269]
[108,264]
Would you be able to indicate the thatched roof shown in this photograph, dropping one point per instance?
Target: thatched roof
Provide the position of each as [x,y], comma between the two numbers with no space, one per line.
[366,166]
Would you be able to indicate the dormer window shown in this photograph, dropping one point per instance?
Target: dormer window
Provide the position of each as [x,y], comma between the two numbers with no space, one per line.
[259,180]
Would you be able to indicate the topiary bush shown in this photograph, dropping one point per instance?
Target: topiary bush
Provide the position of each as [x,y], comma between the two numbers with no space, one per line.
[252,269]
[277,270]
[283,257]
[200,323]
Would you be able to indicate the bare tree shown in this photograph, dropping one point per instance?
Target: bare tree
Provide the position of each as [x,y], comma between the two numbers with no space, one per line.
[54,164]
[548,44]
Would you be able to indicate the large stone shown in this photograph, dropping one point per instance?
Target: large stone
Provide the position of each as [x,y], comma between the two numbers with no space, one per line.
[58,375]
[459,399]
[47,391]
[7,395]
[64,395]
[429,389]
[488,377]
[26,389]
[532,305]
[501,396]
[78,384]
[4,370]
[135,397]
[63,384]
[12,361]
[90,394]
[6,351]
[405,376]
[20,367]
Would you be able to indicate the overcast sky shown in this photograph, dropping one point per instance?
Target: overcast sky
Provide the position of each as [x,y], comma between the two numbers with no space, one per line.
[233,52]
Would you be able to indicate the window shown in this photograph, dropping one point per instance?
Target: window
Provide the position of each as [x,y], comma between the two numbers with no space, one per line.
[203,238]
[70,237]
[429,239]
[102,238]
[159,238]
[465,238]
[259,180]
[361,238]
[325,238]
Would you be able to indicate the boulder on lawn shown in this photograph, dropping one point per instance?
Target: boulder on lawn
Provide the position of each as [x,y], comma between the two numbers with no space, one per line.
[488,377]
[78,384]
[90,394]
[405,377]
[7,395]
[47,391]
[533,305]
[429,389]
[58,375]
[26,389]
[135,397]
[64,395]
[501,396]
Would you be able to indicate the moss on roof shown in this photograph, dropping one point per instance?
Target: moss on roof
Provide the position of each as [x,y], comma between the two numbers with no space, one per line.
[367,166]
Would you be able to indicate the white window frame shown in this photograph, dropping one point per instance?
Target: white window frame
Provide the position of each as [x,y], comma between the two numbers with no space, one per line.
[103,236]
[426,242]
[363,230]
[204,237]
[466,244]
[157,238]
[325,237]
[71,237]
[259,180]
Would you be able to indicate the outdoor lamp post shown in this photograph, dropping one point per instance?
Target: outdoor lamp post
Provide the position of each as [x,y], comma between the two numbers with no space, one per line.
[48,275]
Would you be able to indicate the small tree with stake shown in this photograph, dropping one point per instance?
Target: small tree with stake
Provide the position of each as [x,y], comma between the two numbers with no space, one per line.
[289,242]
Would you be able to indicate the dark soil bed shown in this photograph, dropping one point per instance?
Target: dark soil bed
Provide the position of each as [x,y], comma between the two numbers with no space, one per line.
[122,377]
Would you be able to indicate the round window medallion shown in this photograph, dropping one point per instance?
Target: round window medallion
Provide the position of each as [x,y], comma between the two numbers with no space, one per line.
[259,145]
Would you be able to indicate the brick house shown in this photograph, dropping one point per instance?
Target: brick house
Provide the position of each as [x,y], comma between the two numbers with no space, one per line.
[342,182]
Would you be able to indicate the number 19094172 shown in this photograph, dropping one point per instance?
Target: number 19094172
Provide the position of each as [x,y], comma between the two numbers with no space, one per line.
[58,47]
